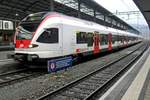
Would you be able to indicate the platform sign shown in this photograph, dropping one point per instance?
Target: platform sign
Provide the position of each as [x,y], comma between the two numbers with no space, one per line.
[59,64]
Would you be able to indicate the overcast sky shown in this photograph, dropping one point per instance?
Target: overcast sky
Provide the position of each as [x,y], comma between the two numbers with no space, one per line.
[123,6]
[120,5]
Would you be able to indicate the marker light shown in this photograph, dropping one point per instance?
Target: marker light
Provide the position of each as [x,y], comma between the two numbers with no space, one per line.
[33,45]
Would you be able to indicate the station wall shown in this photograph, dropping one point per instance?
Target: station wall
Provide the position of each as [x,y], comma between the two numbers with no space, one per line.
[6,32]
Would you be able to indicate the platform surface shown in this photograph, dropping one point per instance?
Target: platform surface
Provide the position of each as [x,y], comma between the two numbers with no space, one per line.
[147,91]
[138,88]
[133,84]
[3,54]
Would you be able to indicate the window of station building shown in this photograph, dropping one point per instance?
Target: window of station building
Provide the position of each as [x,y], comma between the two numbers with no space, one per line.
[125,27]
[6,25]
[90,39]
[49,36]
[81,37]
[70,3]
[99,15]
[104,39]
[114,22]
[108,19]
[118,24]
[122,26]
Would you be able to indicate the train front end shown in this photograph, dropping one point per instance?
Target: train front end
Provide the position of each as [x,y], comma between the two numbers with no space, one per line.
[25,50]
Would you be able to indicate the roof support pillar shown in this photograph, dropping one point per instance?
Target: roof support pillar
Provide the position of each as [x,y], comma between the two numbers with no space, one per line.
[2,24]
[51,5]
[94,15]
[104,19]
[79,8]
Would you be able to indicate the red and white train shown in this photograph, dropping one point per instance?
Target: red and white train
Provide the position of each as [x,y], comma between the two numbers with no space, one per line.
[47,35]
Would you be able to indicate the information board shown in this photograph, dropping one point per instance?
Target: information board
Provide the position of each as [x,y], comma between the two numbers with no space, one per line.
[59,64]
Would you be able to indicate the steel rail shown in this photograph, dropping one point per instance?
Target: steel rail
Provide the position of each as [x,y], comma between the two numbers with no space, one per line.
[73,83]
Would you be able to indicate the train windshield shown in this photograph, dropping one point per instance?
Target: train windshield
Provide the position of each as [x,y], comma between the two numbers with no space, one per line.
[35,17]
[25,31]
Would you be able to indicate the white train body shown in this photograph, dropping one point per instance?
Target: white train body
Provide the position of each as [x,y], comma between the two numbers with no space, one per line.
[57,35]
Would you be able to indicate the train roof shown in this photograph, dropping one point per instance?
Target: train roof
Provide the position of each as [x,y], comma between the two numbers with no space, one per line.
[79,22]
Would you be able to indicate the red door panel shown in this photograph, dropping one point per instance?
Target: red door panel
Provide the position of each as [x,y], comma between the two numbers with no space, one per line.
[109,41]
[96,43]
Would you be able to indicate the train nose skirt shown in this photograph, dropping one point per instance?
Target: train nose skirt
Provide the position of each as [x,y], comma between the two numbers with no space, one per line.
[27,57]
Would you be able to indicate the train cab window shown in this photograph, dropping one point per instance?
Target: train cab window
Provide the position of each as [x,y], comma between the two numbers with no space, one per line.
[31,27]
[49,36]
[81,37]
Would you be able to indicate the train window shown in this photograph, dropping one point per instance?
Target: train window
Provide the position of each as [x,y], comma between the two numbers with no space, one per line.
[90,39]
[104,39]
[127,38]
[31,27]
[121,38]
[23,34]
[81,37]
[114,38]
[49,36]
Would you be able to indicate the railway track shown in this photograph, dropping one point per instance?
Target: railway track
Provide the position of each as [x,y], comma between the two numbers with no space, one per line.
[87,86]
[18,75]
[13,76]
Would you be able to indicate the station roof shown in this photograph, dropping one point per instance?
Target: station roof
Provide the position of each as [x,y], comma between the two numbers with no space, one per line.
[16,10]
[144,6]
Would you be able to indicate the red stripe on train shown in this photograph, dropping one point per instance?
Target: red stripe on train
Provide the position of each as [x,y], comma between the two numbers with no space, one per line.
[109,41]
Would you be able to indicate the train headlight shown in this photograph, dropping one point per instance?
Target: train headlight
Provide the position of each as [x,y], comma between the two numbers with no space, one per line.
[33,45]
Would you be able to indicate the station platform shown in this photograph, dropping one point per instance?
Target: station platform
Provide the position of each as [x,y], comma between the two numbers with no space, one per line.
[134,84]
[6,47]
[5,50]
[4,54]
[140,87]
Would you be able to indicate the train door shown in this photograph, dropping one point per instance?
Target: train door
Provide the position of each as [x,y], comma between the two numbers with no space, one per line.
[127,40]
[61,39]
[109,41]
[96,42]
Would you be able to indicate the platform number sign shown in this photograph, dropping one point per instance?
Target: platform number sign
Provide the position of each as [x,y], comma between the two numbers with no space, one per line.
[59,64]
